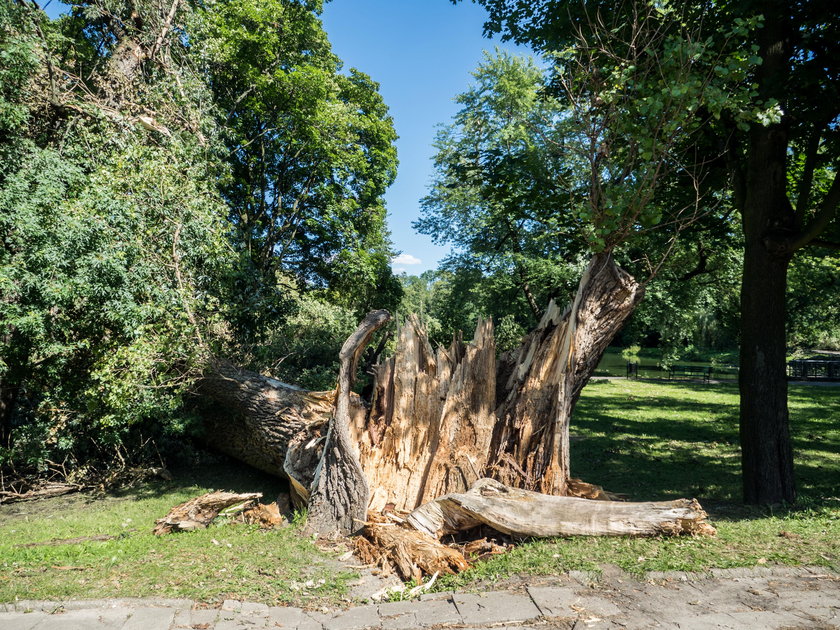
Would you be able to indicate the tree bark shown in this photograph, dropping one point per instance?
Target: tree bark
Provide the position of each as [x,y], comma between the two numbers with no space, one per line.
[438,420]
[339,495]
[255,418]
[525,513]
[540,383]
[199,512]
[768,219]
[766,454]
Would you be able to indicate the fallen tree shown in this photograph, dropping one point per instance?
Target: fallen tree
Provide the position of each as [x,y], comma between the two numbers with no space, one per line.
[438,421]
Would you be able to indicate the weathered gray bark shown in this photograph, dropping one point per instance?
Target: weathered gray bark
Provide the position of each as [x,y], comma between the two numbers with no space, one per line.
[525,513]
[255,418]
[339,494]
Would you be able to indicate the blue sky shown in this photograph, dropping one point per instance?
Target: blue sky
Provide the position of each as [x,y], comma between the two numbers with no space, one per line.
[421,52]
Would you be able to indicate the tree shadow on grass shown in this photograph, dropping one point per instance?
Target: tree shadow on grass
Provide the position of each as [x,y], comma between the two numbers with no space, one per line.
[681,440]
[210,472]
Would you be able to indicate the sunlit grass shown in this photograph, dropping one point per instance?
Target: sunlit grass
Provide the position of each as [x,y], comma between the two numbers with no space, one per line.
[659,441]
[651,441]
[230,561]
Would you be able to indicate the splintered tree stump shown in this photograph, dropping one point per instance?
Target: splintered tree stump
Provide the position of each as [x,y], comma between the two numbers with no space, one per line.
[431,419]
[539,383]
[199,512]
[438,423]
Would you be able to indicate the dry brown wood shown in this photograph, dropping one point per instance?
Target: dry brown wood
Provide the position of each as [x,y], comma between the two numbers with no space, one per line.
[440,419]
[540,382]
[199,512]
[525,513]
[410,552]
[43,491]
[430,424]
[267,516]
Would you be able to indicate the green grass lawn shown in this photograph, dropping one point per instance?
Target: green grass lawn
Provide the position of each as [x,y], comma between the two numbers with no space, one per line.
[221,562]
[649,440]
[659,441]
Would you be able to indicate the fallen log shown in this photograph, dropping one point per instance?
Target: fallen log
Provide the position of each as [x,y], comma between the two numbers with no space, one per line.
[524,513]
[199,512]
[43,491]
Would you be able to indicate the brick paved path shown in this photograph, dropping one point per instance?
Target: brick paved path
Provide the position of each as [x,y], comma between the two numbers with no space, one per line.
[773,598]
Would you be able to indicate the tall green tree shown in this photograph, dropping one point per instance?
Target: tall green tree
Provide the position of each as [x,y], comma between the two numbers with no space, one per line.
[311,152]
[773,161]
[114,240]
[598,159]
[139,140]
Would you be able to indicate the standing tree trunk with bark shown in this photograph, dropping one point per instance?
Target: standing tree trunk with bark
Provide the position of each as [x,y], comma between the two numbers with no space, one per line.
[766,453]
[769,220]
[540,383]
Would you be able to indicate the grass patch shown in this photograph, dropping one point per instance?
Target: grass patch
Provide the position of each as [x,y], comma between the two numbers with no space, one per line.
[650,440]
[659,441]
[231,561]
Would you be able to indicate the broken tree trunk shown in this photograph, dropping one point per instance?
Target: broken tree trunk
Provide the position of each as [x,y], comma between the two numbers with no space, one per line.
[339,493]
[524,513]
[539,383]
[441,420]
[431,419]
[254,418]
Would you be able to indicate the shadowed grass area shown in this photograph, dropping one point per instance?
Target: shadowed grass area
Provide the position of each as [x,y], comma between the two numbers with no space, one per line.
[227,561]
[660,441]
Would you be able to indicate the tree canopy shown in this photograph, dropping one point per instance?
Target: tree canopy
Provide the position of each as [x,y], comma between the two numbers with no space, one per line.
[768,148]
[178,181]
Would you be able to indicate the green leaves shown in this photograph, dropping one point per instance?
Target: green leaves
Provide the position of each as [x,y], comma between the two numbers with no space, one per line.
[311,149]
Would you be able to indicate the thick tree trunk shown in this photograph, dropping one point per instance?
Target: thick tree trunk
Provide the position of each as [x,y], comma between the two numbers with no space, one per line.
[769,220]
[539,384]
[767,458]
[255,418]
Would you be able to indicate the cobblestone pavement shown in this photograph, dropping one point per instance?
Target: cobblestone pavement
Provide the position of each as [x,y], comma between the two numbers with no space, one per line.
[773,598]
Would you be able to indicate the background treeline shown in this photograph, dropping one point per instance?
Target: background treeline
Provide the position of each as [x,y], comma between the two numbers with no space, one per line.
[184,182]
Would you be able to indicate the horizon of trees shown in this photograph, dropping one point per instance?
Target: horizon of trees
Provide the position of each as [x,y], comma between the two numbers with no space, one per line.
[187,184]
